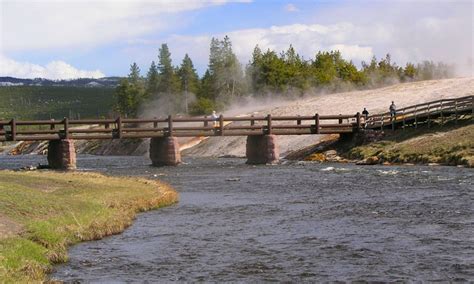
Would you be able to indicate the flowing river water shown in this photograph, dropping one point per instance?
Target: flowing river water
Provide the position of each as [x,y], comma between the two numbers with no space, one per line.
[295,221]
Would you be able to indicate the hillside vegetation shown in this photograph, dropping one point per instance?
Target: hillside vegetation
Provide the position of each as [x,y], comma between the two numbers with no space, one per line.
[270,74]
[39,102]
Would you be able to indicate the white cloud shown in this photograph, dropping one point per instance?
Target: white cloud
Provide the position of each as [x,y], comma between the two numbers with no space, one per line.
[53,70]
[306,39]
[291,8]
[409,31]
[30,25]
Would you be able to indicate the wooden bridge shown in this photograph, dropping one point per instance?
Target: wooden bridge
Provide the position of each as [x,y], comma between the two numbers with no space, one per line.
[423,113]
[261,131]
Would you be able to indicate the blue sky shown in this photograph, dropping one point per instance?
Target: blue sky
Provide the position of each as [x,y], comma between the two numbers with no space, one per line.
[67,39]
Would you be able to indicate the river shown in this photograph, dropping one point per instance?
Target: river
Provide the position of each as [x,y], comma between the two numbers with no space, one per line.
[295,221]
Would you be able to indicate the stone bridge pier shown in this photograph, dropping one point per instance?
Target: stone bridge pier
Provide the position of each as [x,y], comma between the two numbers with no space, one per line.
[262,149]
[62,154]
[164,151]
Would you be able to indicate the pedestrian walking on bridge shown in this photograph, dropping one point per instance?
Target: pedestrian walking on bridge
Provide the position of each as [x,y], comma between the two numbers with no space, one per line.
[393,110]
[214,118]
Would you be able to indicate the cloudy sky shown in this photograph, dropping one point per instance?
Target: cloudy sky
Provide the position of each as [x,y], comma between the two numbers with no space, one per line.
[69,39]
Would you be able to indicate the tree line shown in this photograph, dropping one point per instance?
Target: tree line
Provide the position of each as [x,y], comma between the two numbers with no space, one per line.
[179,89]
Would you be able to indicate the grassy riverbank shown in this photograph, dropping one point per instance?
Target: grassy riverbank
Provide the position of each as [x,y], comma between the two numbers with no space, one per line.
[450,144]
[446,146]
[42,213]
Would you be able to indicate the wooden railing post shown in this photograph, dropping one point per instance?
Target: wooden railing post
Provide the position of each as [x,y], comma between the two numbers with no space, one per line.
[455,112]
[298,121]
[155,123]
[170,125]
[252,121]
[119,127]
[269,124]
[66,128]
[441,111]
[52,125]
[221,125]
[13,129]
[316,122]
[382,123]
[358,121]
[2,131]
[429,118]
[340,119]
[394,118]
[403,119]
[206,123]
[472,107]
[416,118]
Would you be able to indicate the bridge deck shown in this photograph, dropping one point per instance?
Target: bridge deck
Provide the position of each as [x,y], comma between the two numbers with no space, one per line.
[121,128]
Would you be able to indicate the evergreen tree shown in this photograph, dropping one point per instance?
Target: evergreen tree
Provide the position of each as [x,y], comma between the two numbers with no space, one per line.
[272,73]
[409,72]
[128,98]
[130,93]
[134,75]
[324,68]
[253,72]
[225,71]
[152,80]
[189,80]
[168,87]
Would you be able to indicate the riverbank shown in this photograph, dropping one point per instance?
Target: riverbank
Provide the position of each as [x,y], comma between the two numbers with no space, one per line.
[449,144]
[43,212]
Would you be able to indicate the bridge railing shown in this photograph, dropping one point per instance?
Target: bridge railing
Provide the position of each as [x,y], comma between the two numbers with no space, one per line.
[31,130]
[426,111]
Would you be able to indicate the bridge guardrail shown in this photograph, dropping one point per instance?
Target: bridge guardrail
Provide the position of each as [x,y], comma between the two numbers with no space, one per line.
[14,130]
[427,110]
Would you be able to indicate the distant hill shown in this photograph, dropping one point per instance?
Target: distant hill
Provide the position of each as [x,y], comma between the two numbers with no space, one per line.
[107,82]
[45,102]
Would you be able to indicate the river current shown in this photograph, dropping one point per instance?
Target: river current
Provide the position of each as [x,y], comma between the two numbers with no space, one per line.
[296,221]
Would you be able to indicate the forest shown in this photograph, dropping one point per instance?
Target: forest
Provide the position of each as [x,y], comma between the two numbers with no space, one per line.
[180,90]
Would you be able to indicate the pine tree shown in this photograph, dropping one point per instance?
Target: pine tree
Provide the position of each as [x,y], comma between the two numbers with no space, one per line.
[130,93]
[225,71]
[168,87]
[134,75]
[189,80]
[152,80]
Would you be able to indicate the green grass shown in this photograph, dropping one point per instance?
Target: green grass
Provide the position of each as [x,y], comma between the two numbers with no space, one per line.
[450,145]
[38,102]
[50,211]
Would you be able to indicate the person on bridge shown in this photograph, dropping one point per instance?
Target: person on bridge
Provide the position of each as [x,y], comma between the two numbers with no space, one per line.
[365,113]
[214,118]
[393,110]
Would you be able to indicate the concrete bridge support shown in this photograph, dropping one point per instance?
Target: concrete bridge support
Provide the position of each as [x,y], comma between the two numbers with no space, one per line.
[164,151]
[62,154]
[262,149]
